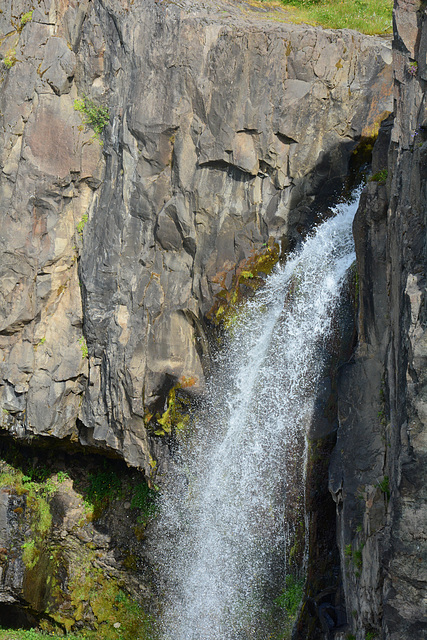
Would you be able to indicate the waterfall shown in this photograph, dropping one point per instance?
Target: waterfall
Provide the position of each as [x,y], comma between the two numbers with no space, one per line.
[220,535]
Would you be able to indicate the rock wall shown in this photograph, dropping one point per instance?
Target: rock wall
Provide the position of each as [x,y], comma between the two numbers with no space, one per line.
[225,124]
[378,471]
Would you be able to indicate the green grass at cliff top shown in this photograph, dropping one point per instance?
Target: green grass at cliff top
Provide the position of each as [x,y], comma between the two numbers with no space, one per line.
[32,634]
[366,16]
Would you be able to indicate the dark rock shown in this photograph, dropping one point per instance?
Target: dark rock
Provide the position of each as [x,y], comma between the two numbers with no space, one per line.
[378,469]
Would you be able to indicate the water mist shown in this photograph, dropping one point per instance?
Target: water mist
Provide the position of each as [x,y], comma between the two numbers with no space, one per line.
[220,535]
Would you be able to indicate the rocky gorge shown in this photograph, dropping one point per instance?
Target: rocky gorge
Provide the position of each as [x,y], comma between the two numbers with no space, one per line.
[157,159]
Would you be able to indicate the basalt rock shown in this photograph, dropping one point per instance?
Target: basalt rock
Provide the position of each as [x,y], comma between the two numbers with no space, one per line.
[378,471]
[225,125]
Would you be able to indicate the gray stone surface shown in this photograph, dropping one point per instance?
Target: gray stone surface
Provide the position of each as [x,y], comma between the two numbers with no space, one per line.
[378,471]
[226,123]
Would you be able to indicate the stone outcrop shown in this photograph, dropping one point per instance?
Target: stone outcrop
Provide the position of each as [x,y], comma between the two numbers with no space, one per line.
[224,126]
[378,471]
[72,535]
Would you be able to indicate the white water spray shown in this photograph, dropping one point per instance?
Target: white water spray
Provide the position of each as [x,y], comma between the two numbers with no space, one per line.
[220,533]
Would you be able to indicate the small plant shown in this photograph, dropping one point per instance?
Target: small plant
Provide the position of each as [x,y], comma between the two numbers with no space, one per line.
[380,176]
[348,550]
[83,347]
[104,486]
[62,476]
[413,68]
[371,635]
[384,486]
[357,559]
[94,115]
[291,596]
[350,636]
[143,498]
[26,17]
[81,224]
[9,58]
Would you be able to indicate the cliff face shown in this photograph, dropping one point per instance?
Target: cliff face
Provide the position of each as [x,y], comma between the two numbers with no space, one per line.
[378,472]
[223,128]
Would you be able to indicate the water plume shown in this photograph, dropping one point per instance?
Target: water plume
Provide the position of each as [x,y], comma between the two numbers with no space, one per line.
[220,535]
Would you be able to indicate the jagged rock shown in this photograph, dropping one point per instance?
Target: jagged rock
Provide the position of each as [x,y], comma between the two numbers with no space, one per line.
[378,470]
[71,551]
[211,150]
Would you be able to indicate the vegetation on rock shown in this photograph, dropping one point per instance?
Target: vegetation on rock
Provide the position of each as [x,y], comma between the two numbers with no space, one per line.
[94,115]
[176,417]
[9,58]
[366,16]
[380,176]
[26,17]
[70,581]
[249,275]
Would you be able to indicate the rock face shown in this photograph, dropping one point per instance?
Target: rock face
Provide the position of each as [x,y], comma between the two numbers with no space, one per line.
[72,542]
[378,471]
[223,128]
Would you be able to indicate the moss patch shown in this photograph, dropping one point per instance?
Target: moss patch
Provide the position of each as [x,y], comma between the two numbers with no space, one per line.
[249,275]
[75,532]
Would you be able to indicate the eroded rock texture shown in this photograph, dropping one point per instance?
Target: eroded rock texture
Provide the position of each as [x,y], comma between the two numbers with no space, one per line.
[224,127]
[378,474]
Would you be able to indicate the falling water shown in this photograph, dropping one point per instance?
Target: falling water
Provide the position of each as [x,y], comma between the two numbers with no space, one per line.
[221,529]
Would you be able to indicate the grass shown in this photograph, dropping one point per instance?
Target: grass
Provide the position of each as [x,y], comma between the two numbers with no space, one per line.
[31,634]
[141,630]
[366,16]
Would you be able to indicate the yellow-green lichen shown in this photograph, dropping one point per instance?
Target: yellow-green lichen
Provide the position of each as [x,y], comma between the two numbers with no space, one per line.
[249,275]
[176,417]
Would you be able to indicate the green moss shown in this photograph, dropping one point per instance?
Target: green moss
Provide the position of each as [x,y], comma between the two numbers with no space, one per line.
[143,499]
[104,487]
[249,275]
[37,508]
[384,486]
[29,555]
[90,591]
[33,634]
[357,559]
[176,418]
[91,598]
[291,596]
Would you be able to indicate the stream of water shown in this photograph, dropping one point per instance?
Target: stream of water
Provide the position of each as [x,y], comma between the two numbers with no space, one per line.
[221,530]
